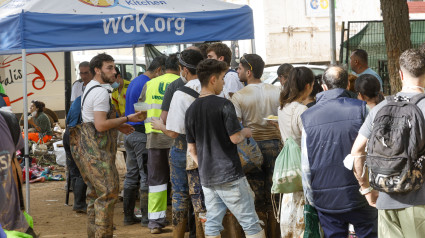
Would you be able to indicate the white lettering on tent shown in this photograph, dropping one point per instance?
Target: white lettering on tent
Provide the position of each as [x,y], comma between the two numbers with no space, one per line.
[111,22]
[169,20]
[179,25]
[131,22]
[141,21]
[124,28]
[158,28]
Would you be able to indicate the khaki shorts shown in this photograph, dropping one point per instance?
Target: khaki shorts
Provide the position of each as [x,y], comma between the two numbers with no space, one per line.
[397,223]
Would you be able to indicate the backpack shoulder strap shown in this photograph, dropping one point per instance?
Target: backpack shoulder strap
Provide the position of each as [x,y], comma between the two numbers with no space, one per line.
[95,86]
[189,91]
[12,123]
[415,99]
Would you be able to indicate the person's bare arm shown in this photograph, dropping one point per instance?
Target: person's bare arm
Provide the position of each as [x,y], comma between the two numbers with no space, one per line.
[241,135]
[164,115]
[159,125]
[191,148]
[103,124]
[359,154]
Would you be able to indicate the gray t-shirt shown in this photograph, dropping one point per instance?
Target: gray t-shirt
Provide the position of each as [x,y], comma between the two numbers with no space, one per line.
[396,200]
[11,216]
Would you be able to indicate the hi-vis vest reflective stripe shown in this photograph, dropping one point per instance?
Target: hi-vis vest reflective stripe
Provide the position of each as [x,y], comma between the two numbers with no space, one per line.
[155,90]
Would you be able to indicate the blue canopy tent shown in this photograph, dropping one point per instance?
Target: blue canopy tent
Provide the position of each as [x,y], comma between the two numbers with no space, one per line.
[33,26]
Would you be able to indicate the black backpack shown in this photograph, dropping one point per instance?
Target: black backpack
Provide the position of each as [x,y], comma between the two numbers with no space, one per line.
[396,147]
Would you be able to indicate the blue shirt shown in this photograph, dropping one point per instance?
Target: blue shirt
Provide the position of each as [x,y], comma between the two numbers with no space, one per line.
[370,71]
[133,93]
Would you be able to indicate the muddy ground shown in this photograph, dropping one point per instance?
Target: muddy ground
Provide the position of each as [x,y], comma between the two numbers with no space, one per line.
[52,218]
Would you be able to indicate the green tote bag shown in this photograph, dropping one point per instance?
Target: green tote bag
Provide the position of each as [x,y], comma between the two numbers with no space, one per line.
[287,170]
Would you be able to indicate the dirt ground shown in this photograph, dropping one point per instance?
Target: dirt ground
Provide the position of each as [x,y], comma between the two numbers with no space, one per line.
[52,218]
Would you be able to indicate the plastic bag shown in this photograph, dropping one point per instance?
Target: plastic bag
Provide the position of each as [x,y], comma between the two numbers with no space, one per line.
[39,149]
[250,155]
[287,170]
[60,154]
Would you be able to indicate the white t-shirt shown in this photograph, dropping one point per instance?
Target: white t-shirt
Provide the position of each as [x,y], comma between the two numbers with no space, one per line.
[232,84]
[179,104]
[290,124]
[96,101]
[77,90]
[255,102]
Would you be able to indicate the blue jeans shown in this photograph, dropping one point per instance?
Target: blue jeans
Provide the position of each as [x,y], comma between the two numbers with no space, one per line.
[236,196]
[137,156]
[180,186]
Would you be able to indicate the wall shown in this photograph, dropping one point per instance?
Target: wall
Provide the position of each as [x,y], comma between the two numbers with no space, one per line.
[285,33]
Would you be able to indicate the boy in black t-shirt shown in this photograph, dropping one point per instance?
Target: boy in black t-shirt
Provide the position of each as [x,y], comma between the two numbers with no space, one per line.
[212,132]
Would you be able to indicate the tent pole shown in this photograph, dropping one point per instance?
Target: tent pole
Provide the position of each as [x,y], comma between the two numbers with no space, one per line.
[253,46]
[147,63]
[134,62]
[333,38]
[26,155]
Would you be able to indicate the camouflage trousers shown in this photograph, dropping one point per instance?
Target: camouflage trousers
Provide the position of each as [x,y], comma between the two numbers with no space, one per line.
[94,153]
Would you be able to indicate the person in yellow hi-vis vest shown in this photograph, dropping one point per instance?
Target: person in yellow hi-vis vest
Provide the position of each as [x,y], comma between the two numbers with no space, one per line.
[158,145]
[118,95]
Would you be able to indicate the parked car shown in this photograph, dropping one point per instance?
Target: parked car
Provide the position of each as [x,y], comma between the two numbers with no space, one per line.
[270,73]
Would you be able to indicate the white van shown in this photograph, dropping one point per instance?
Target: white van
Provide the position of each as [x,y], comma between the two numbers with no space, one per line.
[123,62]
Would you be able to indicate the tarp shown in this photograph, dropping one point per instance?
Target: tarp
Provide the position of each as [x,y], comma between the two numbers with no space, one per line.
[66,25]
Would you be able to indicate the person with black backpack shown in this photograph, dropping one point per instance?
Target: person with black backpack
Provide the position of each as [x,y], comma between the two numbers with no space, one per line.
[394,133]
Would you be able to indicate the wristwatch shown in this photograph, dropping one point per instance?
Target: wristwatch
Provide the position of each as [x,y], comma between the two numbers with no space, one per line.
[365,191]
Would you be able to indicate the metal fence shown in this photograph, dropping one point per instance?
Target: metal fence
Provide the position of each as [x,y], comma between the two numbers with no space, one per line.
[369,36]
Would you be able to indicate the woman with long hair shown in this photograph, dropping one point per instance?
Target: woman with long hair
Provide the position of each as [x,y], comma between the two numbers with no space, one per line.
[40,122]
[317,88]
[368,89]
[297,88]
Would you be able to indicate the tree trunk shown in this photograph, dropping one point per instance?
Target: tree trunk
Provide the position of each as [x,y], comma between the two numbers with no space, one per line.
[395,14]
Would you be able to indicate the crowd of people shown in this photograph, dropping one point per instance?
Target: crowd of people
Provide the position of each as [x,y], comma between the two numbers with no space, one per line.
[204,132]
[199,113]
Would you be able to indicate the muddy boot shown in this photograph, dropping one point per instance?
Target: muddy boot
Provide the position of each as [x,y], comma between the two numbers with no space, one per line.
[144,207]
[260,234]
[231,226]
[80,189]
[129,202]
[273,226]
[180,229]
[179,224]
